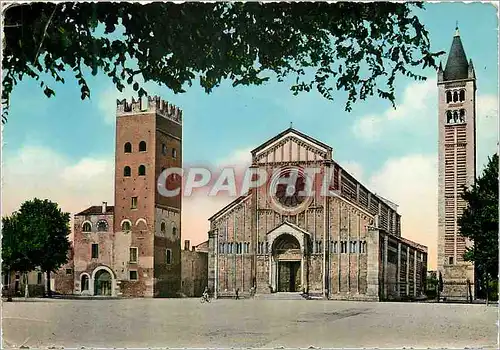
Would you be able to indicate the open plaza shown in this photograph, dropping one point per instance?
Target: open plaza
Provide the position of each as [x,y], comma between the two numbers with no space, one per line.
[245,323]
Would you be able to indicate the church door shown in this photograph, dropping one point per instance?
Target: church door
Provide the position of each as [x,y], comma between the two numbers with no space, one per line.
[288,276]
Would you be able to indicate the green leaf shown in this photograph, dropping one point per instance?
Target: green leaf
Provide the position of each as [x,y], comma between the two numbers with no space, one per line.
[48,92]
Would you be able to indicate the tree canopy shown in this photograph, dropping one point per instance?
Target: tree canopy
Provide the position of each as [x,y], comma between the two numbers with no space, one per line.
[36,236]
[479,221]
[359,47]
[16,250]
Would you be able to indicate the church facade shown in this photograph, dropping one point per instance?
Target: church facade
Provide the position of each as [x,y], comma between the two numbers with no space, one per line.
[346,245]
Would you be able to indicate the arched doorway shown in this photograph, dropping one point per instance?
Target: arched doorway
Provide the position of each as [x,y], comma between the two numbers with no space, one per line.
[102,283]
[85,283]
[287,254]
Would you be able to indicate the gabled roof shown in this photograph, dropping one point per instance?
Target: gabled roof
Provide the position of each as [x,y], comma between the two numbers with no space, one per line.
[457,66]
[289,224]
[293,131]
[97,210]
[229,206]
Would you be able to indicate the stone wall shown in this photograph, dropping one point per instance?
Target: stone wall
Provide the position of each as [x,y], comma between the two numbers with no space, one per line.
[455,277]
[194,272]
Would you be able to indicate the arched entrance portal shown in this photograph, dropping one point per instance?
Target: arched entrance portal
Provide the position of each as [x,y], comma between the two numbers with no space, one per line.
[287,254]
[102,283]
[85,283]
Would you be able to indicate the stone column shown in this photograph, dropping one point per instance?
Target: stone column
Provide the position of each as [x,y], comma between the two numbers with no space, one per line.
[373,256]
[407,270]
[386,241]
[216,277]
[253,228]
[302,285]
[415,273]
[270,267]
[399,270]
[326,228]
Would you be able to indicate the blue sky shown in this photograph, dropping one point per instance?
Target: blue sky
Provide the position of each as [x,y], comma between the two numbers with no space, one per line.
[226,123]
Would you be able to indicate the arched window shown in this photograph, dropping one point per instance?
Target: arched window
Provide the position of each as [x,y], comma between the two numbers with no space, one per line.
[142,146]
[126,226]
[455,96]
[174,153]
[85,283]
[164,149]
[455,117]
[87,227]
[127,148]
[462,95]
[142,170]
[462,116]
[126,171]
[102,226]
[448,117]
[448,96]
[163,227]
[174,230]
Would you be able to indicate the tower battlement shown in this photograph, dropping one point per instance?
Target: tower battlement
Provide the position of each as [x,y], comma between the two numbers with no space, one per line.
[154,105]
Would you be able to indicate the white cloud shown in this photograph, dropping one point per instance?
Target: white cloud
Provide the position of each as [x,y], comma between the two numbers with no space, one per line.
[419,102]
[354,168]
[487,129]
[241,157]
[43,173]
[411,182]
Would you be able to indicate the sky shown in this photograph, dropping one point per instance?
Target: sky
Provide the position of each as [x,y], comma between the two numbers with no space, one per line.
[62,148]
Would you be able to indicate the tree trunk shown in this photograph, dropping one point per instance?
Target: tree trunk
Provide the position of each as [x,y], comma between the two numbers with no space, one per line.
[26,291]
[487,289]
[47,282]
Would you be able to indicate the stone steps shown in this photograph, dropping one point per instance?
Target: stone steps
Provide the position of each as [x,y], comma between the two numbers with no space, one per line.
[280,296]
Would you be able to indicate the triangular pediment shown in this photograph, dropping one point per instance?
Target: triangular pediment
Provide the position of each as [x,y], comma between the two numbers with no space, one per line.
[285,227]
[289,146]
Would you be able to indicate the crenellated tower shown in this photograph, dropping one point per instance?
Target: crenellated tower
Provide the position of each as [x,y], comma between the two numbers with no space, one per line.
[147,225]
[457,165]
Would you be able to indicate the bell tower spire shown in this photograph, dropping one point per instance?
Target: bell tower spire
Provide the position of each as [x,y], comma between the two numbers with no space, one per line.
[456,164]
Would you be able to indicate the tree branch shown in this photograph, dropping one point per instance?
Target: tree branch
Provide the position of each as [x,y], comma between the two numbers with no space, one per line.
[45,32]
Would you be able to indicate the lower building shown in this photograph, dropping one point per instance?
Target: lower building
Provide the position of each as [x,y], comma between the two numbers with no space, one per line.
[14,283]
[194,267]
[345,245]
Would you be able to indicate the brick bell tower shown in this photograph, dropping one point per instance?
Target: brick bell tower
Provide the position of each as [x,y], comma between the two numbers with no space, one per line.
[147,225]
[457,166]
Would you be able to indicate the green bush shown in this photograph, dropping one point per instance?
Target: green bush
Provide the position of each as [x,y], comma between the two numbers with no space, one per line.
[493,291]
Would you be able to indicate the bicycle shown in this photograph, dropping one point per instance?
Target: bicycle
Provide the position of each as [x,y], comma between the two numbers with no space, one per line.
[205,299]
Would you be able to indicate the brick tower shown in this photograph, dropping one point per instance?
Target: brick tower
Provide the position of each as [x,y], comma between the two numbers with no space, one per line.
[147,226]
[457,166]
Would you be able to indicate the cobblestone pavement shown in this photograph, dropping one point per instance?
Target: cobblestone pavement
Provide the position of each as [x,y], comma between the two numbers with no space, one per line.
[176,323]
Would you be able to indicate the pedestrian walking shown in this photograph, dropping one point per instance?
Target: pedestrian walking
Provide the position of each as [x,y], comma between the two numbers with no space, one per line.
[237,293]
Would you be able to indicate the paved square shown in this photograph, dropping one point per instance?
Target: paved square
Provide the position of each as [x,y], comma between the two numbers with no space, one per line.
[227,323]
